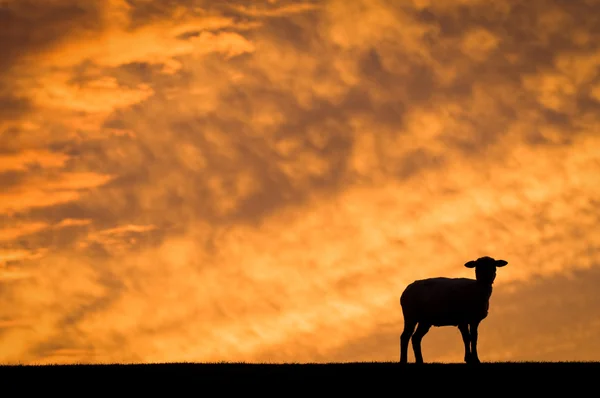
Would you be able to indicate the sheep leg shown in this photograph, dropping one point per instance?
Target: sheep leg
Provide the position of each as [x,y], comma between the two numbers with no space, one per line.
[409,328]
[421,331]
[464,331]
[474,356]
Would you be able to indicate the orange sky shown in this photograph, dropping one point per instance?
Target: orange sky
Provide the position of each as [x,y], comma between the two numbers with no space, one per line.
[259,180]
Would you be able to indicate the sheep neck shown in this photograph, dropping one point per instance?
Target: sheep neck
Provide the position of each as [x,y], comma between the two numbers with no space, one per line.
[485,289]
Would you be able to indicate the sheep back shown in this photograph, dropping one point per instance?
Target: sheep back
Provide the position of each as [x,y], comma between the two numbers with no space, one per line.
[445,301]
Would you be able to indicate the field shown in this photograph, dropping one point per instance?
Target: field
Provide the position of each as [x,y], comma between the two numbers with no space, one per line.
[288,379]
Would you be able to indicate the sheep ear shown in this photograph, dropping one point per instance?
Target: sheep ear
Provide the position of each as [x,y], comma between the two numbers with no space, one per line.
[471,264]
[501,263]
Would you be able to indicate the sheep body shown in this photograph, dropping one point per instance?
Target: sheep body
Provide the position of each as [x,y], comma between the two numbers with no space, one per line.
[445,301]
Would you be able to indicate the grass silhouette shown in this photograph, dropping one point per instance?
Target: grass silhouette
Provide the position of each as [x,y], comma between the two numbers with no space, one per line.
[291,379]
[303,379]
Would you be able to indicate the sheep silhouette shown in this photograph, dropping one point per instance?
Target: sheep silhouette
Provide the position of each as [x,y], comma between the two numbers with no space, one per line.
[460,302]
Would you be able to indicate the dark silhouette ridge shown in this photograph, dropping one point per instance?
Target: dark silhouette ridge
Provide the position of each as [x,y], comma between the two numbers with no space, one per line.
[330,379]
[459,302]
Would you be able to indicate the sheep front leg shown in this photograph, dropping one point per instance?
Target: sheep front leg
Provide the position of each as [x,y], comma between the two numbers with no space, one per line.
[464,332]
[474,356]
[421,331]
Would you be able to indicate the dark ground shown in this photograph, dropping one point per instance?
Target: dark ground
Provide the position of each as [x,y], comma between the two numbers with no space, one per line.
[371,379]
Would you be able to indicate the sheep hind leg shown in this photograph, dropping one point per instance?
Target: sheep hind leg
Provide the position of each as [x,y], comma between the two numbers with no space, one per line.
[409,328]
[421,331]
[464,332]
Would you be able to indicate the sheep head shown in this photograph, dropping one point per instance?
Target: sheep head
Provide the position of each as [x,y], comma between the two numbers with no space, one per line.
[485,268]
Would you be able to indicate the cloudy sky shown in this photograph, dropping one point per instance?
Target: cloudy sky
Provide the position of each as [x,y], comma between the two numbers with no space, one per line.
[259,180]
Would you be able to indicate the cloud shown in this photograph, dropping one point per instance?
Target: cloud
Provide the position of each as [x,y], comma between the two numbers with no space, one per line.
[43,191]
[68,222]
[96,96]
[7,256]
[22,160]
[230,182]
[269,11]
[116,239]
[15,232]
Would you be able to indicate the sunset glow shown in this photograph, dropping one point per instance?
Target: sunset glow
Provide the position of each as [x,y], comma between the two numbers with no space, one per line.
[259,180]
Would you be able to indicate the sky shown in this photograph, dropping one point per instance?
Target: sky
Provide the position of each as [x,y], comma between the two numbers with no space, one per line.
[201,181]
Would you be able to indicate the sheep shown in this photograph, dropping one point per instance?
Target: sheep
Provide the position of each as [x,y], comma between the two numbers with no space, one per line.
[460,302]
